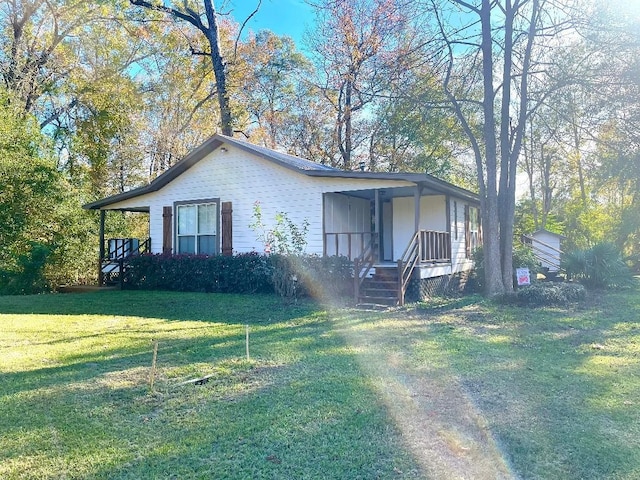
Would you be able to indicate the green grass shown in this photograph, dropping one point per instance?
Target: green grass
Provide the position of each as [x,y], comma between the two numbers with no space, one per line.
[75,399]
[457,389]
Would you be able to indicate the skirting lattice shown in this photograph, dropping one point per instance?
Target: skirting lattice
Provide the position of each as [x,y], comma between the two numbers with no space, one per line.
[426,288]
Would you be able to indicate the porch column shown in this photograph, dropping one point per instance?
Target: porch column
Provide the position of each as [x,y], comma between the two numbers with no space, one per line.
[101,248]
[416,201]
[377,222]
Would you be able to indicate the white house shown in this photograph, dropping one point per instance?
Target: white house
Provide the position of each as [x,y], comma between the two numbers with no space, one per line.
[205,203]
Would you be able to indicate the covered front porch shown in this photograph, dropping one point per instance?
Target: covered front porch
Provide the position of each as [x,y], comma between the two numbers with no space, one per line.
[391,235]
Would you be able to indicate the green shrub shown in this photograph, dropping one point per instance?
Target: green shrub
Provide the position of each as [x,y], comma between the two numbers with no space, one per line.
[522,257]
[551,293]
[600,266]
[287,275]
[244,273]
[27,277]
[312,275]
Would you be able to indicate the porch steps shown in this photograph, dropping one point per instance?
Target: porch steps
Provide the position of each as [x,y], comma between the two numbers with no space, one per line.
[380,289]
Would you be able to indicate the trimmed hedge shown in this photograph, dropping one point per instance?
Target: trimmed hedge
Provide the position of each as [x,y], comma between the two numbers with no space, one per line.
[244,273]
[286,275]
[551,293]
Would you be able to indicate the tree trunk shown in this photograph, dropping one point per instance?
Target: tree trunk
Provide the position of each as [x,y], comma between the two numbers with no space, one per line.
[210,31]
[219,69]
[490,216]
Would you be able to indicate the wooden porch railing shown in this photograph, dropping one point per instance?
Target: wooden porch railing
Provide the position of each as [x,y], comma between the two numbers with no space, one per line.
[363,264]
[426,246]
[407,263]
[348,244]
[117,254]
[435,246]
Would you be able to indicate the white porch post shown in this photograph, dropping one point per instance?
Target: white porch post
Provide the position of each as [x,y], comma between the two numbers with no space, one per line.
[377,222]
[416,198]
[101,249]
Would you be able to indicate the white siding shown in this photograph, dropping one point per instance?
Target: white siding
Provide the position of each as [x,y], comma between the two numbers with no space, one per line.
[549,251]
[243,179]
[433,216]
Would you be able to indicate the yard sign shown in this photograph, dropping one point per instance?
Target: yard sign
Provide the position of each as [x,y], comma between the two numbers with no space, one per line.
[523,276]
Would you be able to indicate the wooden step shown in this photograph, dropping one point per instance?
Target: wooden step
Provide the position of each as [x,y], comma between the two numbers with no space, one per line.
[379,292]
[384,284]
[378,300]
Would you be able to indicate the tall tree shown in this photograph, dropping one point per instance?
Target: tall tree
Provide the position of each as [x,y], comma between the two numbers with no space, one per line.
[39,47]
[178,96]
[207,23]
[495,57]
[359,46]
[412,134]
[271,73]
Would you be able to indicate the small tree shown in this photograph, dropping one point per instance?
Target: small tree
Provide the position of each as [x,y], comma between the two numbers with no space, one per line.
[284,238]
[286,242]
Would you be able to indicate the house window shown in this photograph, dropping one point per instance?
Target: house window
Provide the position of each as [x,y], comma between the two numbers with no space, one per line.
[197,228]
[472,229]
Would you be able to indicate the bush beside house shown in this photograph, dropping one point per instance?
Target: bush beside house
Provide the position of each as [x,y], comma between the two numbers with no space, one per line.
[286,275]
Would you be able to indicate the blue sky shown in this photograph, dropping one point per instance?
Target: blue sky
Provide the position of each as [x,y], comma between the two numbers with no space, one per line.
[284,17]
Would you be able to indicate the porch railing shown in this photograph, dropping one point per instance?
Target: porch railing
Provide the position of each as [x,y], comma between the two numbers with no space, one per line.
[363,264]
[425,246]
[434,246]
[348,244]
[407,263]
[116,255]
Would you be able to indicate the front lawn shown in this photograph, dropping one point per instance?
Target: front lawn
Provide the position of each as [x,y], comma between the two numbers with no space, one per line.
[75,399]
[465,390]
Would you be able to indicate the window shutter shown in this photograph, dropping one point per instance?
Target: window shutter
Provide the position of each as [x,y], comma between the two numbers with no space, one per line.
[227,229]
[467,232]
[167,223]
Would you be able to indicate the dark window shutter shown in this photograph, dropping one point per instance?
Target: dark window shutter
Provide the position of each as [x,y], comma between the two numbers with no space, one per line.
[167,224]
[227,229]
[467,232]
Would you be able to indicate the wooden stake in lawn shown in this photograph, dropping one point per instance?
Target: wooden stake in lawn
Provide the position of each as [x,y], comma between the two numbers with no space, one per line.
[152,376]
[247,340]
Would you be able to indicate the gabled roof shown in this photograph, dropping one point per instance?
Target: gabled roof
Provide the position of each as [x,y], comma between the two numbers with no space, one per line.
[285,160]
[545,231]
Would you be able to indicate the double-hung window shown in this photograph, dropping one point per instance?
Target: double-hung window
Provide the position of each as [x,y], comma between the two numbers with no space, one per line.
[197,228]
[472,229]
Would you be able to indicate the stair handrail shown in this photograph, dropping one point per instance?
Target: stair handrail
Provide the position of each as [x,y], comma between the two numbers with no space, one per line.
[366,258]
[120,261]
[124,251]
[407,264]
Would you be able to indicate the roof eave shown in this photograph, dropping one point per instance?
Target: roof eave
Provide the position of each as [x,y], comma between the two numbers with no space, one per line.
[163,179]
[416,178]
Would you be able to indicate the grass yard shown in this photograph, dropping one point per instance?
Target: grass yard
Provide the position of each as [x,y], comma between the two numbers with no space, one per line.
[464,389]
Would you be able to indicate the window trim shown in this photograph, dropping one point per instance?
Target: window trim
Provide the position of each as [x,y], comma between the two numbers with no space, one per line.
[200,201]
